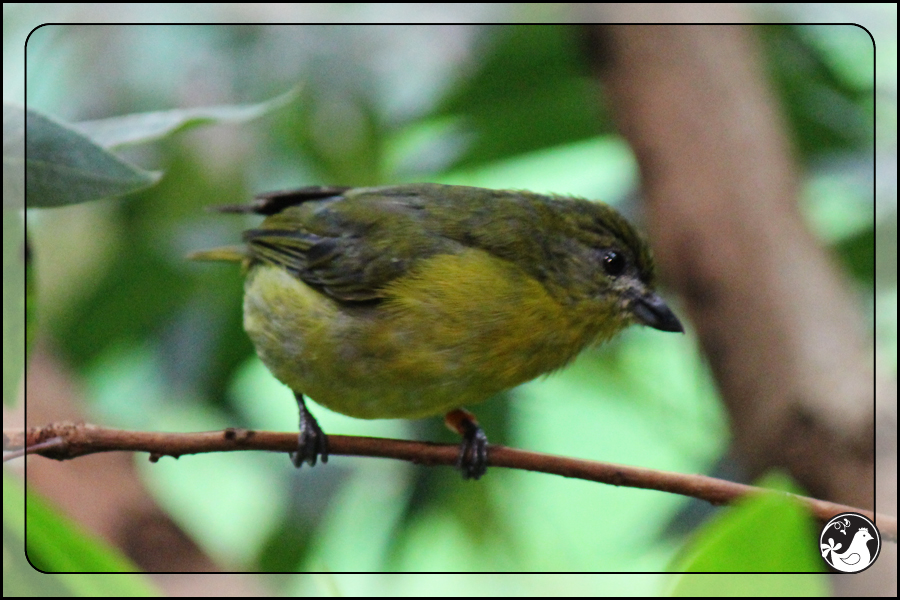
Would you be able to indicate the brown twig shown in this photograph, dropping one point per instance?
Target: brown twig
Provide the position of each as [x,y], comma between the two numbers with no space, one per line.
[63,441]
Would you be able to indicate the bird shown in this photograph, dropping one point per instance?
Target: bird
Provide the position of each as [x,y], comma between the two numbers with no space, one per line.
[415,300]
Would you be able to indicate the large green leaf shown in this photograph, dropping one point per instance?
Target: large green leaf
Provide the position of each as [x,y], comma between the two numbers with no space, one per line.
[767,533]
[63,166]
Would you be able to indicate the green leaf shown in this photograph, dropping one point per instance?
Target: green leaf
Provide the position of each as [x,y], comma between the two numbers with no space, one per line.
[146,127]
[766,533]
[740,584]
[56,544]
[63,167]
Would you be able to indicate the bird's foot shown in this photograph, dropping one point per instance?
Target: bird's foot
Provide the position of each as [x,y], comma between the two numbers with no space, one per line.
[473,449]
[312,442]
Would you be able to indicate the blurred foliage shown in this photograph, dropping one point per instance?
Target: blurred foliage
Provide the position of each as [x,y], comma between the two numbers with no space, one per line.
[829,107]
[58,544]
[159,340]
[17,335]
[531,90]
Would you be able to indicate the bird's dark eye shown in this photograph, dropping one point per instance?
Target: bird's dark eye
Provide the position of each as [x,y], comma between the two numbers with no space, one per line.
[613,263]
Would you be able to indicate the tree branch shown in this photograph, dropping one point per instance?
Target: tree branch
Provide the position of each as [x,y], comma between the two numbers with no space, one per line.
[62,441]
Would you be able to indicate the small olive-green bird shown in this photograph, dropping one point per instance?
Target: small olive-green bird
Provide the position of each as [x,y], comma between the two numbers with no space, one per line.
[415,300]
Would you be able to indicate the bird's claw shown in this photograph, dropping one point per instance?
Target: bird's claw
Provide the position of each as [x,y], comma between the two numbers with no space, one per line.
[473,452]
[312,441]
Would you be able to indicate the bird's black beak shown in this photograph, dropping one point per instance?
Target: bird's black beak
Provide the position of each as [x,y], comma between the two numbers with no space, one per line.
[653,312]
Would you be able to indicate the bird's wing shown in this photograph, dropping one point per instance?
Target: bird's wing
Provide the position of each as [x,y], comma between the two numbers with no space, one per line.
[271,203]
[348,243]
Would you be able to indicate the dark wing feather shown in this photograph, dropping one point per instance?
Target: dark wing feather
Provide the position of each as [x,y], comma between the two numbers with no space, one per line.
[349,246]
[271,203]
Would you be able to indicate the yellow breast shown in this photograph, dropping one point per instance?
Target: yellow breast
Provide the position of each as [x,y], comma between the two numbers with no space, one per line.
[456,330]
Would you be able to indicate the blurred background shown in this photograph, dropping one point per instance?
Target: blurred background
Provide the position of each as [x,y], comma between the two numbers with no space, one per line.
[132,335]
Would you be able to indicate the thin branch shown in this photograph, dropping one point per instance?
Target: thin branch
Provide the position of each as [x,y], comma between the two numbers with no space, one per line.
[63,441]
